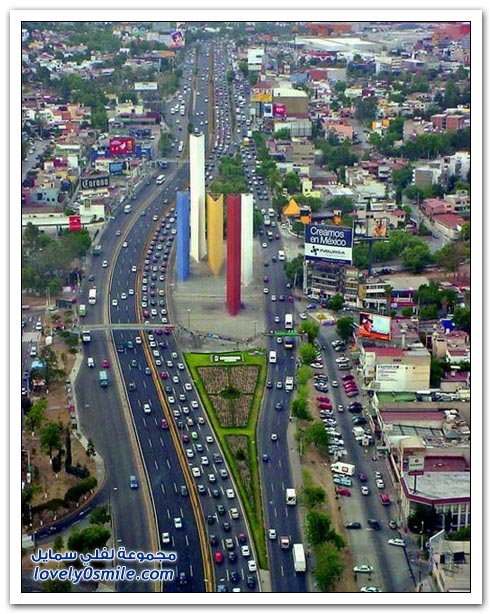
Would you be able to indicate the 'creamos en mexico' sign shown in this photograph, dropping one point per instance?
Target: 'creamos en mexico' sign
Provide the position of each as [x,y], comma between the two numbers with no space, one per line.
[328,243]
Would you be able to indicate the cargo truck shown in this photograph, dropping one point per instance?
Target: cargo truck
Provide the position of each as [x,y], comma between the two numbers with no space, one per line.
[343,468]
[290,496]
[299,558]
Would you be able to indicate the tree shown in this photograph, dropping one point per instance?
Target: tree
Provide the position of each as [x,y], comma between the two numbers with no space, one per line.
[450,256]
[58,543]
[87,540]
[291,182]
[57,586]
[336,302]
[416,258]
[51,437]
[310,328]
[99,515]
[283,134]
[462,318]
[37,415]
[328,569]
[365,108]
[299,409]
[313,496]
[307,353]
[345,327]
[318,527]
[315,433]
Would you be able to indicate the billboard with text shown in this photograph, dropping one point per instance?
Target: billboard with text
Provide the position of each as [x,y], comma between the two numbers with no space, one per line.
[328,243]
[122,146]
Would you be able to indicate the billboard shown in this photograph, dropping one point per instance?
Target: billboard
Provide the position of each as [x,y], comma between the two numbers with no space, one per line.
[261,96]
[145,86]
[122,145]
[93,182]
[268,109]
[178,40]
[74,223]
[371,227]
[279,110]
[332,243]
[374,326]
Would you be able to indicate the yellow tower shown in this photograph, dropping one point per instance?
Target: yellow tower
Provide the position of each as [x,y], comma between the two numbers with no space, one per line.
[215,233]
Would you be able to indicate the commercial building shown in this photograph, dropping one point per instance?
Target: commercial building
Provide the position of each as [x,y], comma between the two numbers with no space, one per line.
[390,369]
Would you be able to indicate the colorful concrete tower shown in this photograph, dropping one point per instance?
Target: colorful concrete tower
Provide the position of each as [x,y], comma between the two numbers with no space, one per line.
[215,233]
[183,235]
[197,196]
[233,266]
[246,239]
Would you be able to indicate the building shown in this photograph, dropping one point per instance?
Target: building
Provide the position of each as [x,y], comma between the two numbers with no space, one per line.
[215,233]
[183,235]
[450,564]
[197,196]
[449,225]
[373,294]
[233,265]
[390,369]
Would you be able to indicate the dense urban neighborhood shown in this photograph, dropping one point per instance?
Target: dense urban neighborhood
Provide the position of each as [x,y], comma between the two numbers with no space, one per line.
[246,308]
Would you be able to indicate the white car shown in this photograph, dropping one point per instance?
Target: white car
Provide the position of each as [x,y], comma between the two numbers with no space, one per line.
[397,542]
[134,268]
[201,419]
[166,538]
[234,513]
[364,490]
[204,460]
[138,340]
[125,244]
[245,550]
[272,534]
[252,565]
[380,483]
[230,493]
[303,316]
[196,472]
[211,478]
[190,453]
[171,400]
[273,437]
[146,408]
[209,439]
[194,405]
[187,385]
[178,523]
[114,302]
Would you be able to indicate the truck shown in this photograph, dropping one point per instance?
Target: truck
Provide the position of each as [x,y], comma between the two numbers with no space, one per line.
[290,496]
[289,321]
[343,468]
[299,558]
[272,357]
[82,311]
[103,379]
[92,296]
[289,383]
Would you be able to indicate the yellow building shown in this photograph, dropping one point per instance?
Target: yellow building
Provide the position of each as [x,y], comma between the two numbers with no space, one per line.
[215,233]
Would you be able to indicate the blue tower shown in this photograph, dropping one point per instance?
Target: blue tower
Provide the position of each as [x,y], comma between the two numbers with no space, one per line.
[183,235]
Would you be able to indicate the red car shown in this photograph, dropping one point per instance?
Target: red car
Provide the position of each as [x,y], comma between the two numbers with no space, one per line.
[164,424]
[164,374]
[241,538]
[324,406]
[347,378]
[186,438]
[105,364]
[158,331]
[218,557]
[345,492]
[323,399]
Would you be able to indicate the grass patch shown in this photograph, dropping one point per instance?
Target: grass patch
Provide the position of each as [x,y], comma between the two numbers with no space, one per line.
[231,394]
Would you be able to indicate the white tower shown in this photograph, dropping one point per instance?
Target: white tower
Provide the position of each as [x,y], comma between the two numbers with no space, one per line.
[197,196]
[246,239]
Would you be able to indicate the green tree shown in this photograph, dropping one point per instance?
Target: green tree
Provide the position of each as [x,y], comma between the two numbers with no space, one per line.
[417,258]
[304,374]
[336,302]
[315,433]
[451,256]
[307,353]
[283,134]
[437,371]
[50,437]
[99,515]
[312,496]
[291,182]
[86,540]
[37,414]
[365,108]
[462,318]
[345,327]
[57,586]
[58,543]
[328,569]
[310,328]
[299,409]
[318,527]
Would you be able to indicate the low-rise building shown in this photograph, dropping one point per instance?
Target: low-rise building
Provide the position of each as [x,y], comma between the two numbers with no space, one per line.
[391,369]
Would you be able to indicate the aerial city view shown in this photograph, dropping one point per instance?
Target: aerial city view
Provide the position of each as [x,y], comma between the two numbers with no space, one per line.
[246,314]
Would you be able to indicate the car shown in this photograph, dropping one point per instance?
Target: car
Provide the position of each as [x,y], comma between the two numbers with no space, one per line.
[252,565]
[362,477]
[340,408]
[245,550]
[132,386]
[374,524]
[134,363]
[138,340]
[334,383]
[363,569]
[272,534]
[164,424]
[251,581]
[218,557]
[105,264]
[183,490]
[380,483]
[211,478]
[378,475]
[265,458]
[353,525]
[147,371]
[279,385]
[234,512]
[230,493]
[384,498]
[303,316]
[196,472]
[274,437]
[209,439]
[393,524]
[364,490]
[178,522]
[370,589]
[343,491]
[223,474]
[114,302]
[125,244]
[269,384]
[166,538]
[279,406]
[234,577]
[133,482]
[397,541]
[105,364]
[204,460]
[226,526]
[266,290]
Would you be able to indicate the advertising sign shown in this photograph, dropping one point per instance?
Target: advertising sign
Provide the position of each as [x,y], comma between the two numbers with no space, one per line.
[178,40]
[122,146]
[416,464]
[117,168]
[74,223]
[94,181]
[374,326]
[279,110]
[333,243]
[268,109]
[370,227]
[387,373]
[261,96]
[145,86]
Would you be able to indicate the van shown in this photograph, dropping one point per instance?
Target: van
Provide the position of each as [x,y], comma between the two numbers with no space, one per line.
[272,357]
[160,179]
[90,362]
[281,255]
[127,209]
[33,352]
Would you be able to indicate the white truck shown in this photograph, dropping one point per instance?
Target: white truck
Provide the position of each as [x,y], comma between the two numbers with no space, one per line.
[290,496]
[299,558]
[343,468]
[92,296]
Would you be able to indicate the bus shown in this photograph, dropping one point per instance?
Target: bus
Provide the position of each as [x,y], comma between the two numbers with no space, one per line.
[82,311]
[92,296]
[289,321]
[160,179]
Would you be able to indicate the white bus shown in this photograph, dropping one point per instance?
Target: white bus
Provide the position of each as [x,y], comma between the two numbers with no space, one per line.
[160,179]
[272,357]
[92,296]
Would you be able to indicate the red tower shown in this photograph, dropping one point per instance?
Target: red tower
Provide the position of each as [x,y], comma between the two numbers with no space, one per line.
[233,282]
